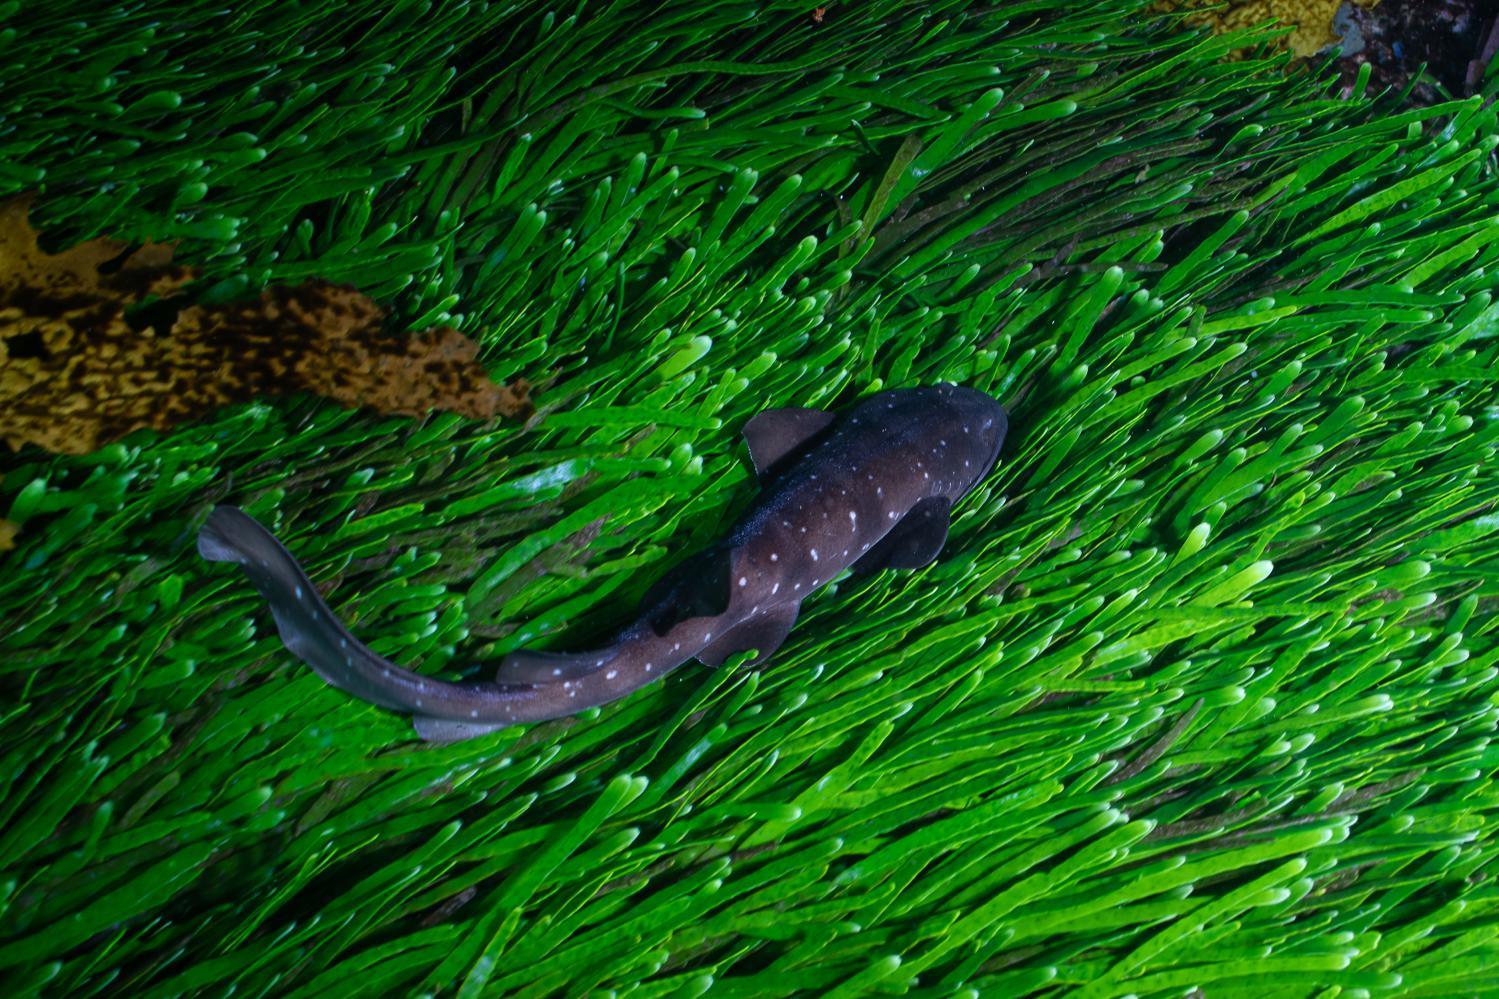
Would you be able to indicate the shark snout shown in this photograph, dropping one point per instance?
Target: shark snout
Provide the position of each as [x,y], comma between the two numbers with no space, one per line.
[996,426]
[985,416]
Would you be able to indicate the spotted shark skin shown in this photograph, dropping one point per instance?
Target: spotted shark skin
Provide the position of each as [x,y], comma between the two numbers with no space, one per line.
[868,491]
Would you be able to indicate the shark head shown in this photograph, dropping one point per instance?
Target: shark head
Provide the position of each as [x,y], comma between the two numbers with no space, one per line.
[982,420]
[990,423]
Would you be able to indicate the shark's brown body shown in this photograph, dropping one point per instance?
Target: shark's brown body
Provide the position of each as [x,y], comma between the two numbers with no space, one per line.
[871,490]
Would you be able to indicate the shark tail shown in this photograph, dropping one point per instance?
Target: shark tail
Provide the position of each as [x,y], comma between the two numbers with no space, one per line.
[311,631]
[526,666]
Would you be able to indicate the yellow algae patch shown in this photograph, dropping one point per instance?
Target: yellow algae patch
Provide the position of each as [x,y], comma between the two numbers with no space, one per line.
[1311,18]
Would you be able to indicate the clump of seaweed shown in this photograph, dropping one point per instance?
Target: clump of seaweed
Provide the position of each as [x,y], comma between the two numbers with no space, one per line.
[83,366]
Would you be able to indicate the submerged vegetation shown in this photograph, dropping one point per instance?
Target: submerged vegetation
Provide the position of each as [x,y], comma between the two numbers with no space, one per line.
[1200,694]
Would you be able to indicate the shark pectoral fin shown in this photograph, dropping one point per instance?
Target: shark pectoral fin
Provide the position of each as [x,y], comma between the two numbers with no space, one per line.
[912,543]
[772,434]
[525,666]
[698,587]
[444,730]
[764,632]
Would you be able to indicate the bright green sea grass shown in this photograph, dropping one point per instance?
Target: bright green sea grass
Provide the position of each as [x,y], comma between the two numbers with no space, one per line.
[1199,695]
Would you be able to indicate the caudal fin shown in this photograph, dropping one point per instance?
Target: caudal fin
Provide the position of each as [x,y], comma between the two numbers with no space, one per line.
[310,629]
[307,625]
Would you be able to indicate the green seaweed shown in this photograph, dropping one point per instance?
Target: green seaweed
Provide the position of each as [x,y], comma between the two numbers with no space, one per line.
[1200,694]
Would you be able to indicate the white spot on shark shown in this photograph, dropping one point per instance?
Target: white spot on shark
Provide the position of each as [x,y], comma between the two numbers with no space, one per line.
[384,672]
[853,518]
[557,671]
[743,581]
[814,554]
[775,589]
[892,514]
[474,713]
[611,674]
[598,662]
[774,557]
[299,593]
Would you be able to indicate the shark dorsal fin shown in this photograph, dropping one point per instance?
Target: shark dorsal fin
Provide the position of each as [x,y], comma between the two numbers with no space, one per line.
[772,434]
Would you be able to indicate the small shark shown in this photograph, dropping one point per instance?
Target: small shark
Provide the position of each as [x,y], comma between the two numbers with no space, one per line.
[872,490]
